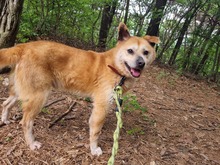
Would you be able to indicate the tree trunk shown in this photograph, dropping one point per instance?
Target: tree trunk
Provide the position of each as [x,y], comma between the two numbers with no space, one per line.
[126,11]
[216,71]
[107,17]
[153,28]
[10,13]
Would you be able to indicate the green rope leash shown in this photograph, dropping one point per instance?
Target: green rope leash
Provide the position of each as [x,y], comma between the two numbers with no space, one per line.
[118,100]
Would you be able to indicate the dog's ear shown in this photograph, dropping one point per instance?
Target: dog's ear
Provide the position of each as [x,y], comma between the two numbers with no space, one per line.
[123,33]
[152,40]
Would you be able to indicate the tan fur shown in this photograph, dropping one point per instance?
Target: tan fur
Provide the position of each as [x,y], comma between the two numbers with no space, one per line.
[42,65]
[152,39]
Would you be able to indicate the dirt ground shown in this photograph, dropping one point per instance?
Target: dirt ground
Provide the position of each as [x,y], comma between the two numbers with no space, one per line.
[174,121]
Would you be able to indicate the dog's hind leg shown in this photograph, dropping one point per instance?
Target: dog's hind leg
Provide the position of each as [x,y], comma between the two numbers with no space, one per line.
[96,122]
[7,105]
[31,107]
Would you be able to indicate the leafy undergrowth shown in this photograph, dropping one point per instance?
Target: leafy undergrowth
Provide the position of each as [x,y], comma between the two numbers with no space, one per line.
[167,119]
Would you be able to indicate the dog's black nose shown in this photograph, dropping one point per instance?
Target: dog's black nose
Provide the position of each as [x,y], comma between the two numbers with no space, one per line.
[140,62]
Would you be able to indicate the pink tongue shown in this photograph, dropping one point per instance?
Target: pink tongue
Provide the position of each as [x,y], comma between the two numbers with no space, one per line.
[135,72]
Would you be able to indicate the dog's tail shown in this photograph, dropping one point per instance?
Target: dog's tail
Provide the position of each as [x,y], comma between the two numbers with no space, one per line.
[10,56]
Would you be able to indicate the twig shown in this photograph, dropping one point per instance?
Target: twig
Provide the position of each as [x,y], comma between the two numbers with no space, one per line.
[53,102]
[63,115]
[3,98]
[19,117]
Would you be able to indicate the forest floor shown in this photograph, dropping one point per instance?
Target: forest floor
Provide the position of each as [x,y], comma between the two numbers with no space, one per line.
[168,120]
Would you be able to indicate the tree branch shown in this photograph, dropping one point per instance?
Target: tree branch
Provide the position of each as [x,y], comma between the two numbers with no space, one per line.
[63,115]
[53,102]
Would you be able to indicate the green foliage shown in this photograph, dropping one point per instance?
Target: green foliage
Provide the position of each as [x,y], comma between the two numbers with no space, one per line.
[135,131]
[45,110]
[8,138]
[60,17]
[130,103]
[181,1]
[195,41]
[149,120]
[88,99]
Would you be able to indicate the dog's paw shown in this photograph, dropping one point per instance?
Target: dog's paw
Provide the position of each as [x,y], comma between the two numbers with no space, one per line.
[5,121]
[5,118]
[96,151]
[35,145]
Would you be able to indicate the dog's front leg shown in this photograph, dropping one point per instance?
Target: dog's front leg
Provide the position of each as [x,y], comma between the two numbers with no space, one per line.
[96,122]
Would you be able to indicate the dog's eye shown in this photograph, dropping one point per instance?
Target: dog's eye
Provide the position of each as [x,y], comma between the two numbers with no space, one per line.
[130,51]
[146,52]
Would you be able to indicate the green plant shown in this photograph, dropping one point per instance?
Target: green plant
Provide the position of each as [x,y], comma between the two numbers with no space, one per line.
[145,117]
[130,103]
[172,81]
[149,120]
[8,139]
[135,131]
[45,110]
[88,99]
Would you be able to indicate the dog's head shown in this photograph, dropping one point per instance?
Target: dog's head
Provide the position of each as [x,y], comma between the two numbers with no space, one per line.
[134,53]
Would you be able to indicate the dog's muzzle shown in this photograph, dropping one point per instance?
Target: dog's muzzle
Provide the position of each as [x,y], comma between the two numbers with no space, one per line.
[136,72]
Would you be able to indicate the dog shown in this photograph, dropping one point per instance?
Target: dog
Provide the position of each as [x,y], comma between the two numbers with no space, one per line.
[40,66]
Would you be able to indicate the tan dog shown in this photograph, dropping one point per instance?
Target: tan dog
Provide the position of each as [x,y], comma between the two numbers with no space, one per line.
[42,65]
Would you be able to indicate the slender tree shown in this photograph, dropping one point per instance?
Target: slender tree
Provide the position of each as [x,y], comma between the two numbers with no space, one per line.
[206,43]
[196,33]
[126,11]
[205,54]
[171,37]
[217,64]
[192,12]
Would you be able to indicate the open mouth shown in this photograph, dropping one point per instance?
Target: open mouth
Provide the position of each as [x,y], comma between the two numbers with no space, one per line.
[134,71]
